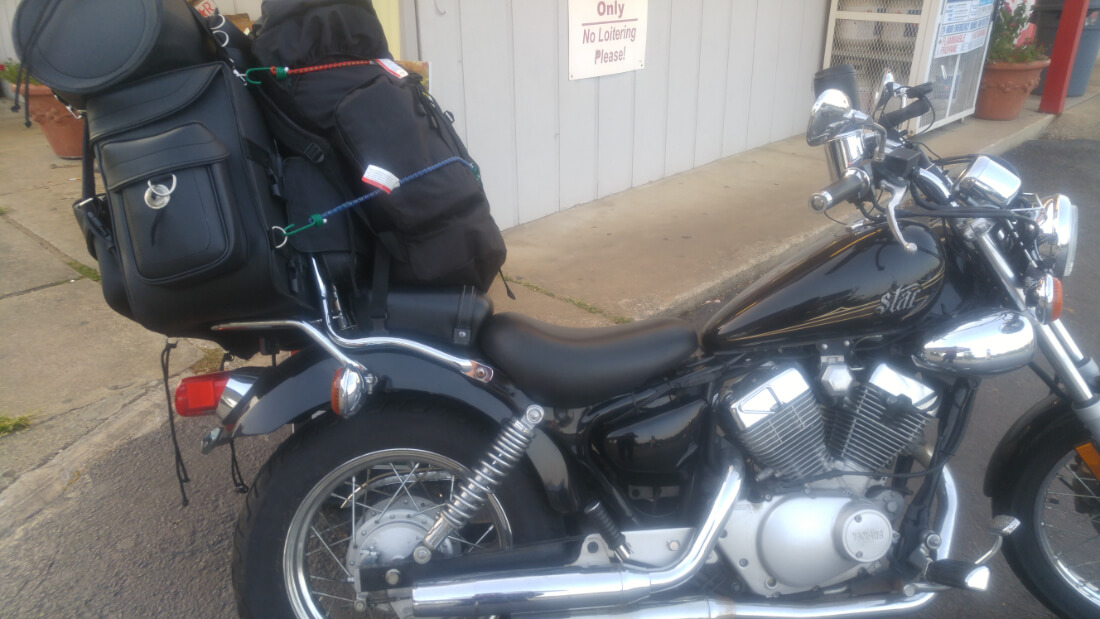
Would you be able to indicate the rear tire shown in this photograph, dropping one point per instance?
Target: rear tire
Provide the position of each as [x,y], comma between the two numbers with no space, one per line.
[1056,550]
[292,550]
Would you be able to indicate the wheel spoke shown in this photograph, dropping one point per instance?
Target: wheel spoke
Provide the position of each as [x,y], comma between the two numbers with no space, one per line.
[1063,530]
[334,597]
[1095,519]
[351,497]
[331,554]
[1083,484]
[483,536]
[1080,496]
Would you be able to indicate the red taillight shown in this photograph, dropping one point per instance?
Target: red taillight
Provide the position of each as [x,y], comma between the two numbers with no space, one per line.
[199,395]
[1056,306]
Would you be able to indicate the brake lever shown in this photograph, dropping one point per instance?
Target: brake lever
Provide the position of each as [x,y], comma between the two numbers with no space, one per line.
[897,194]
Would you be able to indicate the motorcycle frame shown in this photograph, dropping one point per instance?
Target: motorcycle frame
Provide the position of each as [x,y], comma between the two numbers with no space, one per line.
[298,388]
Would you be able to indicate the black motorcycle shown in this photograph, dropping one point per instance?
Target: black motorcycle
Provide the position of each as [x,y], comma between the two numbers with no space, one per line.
[788,461]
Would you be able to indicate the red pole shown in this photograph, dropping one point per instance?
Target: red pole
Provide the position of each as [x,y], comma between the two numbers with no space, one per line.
[1061,57]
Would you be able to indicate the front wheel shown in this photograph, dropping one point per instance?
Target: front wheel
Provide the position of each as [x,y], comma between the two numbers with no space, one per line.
[1056,496]
[363,492]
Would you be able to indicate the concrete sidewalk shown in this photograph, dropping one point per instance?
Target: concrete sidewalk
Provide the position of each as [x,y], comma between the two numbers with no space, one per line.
[89,379]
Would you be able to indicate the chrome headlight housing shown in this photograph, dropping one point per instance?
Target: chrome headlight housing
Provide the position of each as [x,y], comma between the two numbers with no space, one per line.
[985,180]
[1057,240]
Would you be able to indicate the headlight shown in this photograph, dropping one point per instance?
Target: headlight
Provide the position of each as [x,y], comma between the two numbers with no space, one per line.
[985,180]
[844,151]
[1057,242]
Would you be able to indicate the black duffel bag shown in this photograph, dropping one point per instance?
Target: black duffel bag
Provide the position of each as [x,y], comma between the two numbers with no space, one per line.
[436,226]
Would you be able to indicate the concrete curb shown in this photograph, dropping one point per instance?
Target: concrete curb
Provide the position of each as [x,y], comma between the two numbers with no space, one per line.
[140,411]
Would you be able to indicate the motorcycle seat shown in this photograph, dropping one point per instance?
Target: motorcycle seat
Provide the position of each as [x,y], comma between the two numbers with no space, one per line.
[571,367]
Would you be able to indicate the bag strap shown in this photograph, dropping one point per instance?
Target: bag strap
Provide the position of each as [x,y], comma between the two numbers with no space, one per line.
[465,319]
[380,287]
[90,210]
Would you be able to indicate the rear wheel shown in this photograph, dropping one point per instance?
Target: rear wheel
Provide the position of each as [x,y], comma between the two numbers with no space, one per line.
[363,492]
[1056,551]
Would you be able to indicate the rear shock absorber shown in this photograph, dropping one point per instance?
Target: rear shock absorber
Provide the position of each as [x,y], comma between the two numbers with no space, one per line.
[507,450]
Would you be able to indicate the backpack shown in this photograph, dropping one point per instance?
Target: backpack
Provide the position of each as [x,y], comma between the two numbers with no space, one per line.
[427,208]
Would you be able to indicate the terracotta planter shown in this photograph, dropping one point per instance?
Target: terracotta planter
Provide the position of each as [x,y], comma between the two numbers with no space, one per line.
[63,131]
[1004,88]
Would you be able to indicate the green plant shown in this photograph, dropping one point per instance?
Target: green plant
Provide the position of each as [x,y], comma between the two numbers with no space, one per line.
[9,425]
[9,72]
[1007,27]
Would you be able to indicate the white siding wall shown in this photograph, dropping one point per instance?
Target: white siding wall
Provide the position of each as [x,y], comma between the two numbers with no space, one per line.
[721,77]
[7,12]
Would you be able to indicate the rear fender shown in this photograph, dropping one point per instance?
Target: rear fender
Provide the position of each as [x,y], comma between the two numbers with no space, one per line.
[301,387]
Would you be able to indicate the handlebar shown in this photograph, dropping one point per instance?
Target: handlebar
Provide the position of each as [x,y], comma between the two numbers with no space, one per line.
[920,107]
[854,183]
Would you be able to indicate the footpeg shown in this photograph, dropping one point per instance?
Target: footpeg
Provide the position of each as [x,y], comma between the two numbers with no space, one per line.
[1001,527]
[958,574]
[962,574]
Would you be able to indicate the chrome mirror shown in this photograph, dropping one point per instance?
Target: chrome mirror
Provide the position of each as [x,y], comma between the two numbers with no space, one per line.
[886,85]
[830,112]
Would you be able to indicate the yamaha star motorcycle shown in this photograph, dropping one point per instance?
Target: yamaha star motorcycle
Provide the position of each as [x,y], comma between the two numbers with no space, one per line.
[789,460]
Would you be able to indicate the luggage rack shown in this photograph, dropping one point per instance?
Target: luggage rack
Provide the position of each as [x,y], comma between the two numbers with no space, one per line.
[335,344]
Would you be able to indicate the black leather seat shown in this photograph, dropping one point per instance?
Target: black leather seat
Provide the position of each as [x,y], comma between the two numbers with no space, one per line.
[569,367]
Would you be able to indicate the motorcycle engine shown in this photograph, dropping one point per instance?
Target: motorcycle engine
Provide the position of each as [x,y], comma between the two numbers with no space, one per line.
[826,528]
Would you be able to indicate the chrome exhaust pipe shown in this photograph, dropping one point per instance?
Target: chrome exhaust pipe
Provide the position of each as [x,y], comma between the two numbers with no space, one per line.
[555,590]
[891,605]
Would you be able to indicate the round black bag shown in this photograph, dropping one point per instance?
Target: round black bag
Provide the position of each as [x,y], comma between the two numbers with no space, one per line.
[82,48]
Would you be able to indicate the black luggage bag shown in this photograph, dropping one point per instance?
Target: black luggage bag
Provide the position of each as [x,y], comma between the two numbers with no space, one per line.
[186,161]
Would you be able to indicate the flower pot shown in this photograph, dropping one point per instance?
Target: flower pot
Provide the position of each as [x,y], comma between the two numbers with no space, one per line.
[1004,88]
[63,131]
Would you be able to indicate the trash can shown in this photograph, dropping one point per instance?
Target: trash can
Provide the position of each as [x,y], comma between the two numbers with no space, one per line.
[1049,13]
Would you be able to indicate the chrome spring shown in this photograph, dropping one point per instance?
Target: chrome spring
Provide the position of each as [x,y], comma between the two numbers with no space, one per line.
[507,450]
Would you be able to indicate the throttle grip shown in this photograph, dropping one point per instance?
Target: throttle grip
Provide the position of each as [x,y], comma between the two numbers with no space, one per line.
[853,184]
[920,107]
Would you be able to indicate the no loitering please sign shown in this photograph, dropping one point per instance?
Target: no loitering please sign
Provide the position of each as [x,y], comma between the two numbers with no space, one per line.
[606,37]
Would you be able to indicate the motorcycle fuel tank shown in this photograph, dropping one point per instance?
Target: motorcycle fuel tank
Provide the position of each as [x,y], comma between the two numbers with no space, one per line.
[859,283]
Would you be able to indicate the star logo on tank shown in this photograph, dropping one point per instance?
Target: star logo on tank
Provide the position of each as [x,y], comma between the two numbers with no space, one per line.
[898,300]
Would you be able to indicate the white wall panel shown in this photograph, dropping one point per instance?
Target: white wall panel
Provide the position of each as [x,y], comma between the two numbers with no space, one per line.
[714,46]
[683,85]
[440,35]
[651,97]
[535,40]
[814,23]
[788,82]
[7,15]
[615,150]
[577,126]
[769,26]
[739,66]
[491,120]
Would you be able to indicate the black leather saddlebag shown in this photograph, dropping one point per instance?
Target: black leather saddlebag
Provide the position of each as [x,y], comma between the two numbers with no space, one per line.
[186,243]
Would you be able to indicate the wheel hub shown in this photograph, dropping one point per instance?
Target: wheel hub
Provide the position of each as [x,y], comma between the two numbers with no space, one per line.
[390,537]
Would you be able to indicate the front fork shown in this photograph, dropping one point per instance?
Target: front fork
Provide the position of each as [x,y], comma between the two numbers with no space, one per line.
[1077,371]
